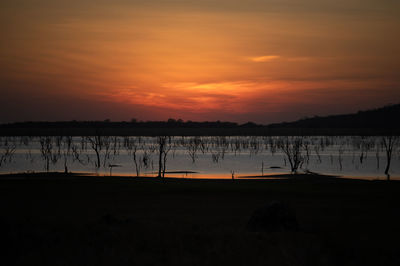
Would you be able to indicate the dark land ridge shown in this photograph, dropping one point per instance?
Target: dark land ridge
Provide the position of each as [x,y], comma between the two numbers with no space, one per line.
[381,121]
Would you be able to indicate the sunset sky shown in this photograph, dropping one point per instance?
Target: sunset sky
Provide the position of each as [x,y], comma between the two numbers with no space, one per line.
[231,60]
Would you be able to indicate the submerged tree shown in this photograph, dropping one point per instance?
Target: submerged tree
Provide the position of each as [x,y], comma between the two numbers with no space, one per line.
[340,154]
[136,147]
[164,146]
[390,144]
[47,151]
[67,151]
[7,152]
[292,148]
[193,145]
[63,146]
[77,150]
[99,143]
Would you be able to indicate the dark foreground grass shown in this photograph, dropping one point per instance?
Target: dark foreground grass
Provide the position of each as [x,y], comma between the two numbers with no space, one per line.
[75,220]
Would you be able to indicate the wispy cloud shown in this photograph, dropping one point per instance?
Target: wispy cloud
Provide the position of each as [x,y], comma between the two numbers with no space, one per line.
[264,58]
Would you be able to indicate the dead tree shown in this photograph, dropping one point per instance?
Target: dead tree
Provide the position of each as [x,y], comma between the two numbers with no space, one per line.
[389,143]
[47,152]
[292,148]
[7,153]
[132,146]
[164,146]
[67,151]
[167,149]
[340,154]
[96,142]
[193,146]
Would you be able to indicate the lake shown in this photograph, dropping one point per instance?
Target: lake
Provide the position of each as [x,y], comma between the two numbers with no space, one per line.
[201,157]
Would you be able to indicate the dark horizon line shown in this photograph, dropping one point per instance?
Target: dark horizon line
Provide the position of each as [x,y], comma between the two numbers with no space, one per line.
[179,121]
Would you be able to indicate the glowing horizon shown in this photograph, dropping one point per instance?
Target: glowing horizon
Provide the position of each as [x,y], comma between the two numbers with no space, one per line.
[261,61]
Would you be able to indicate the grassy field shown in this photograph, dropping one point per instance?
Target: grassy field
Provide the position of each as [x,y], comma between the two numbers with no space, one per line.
[76,220]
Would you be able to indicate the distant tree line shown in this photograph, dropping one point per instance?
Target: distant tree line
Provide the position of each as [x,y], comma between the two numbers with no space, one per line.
[382,121]
[171,123]
[386,117]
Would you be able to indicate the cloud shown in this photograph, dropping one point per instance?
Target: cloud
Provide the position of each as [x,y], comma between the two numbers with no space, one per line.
[299,59]
[264,58]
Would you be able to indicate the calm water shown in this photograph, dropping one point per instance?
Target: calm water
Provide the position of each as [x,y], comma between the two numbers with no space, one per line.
[209,157]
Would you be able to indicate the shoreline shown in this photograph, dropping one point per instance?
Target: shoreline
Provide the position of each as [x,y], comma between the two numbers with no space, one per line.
[281,176]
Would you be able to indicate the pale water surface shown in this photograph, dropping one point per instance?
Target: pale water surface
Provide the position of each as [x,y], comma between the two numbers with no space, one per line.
[209,157]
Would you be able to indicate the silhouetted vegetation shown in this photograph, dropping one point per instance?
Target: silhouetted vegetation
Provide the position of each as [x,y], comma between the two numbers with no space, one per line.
[293,149]
[390,144]
[7,151]
[165,144]
[381,118]
[48,152]
[380,121]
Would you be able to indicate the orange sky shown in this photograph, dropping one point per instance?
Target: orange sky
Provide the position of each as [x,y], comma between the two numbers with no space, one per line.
[262,61]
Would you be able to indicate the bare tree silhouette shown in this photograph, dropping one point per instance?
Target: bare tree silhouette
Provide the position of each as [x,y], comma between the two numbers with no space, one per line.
[7,152]
[47,151]
[390,144]
[99,143]
[164,146]
[292,148]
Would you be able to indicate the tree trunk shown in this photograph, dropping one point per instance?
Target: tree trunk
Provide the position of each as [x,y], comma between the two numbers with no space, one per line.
[136,164]
[389,158]
[160,164]
[98,159]
[65,166]
[164,164]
